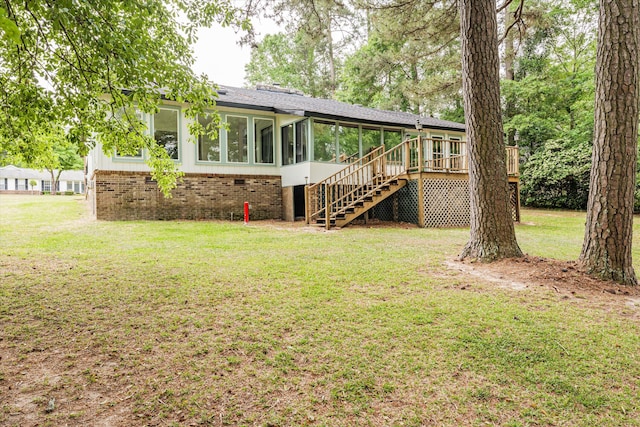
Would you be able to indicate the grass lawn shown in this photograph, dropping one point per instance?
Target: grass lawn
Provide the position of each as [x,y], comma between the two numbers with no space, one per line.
[217,323]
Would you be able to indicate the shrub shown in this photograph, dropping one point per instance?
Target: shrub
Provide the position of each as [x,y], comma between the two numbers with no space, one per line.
[557,176]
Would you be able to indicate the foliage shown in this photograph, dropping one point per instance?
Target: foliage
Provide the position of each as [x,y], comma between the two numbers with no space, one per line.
[318,35]
[56,153]
[410,61]
[81,64]
[552,96]
[397,55]
[291,61]
[549,106]
[557,176]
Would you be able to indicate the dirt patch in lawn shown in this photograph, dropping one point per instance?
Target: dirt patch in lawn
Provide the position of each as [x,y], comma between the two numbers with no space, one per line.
[564,278]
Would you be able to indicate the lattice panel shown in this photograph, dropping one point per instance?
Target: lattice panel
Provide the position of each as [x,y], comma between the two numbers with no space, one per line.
[514,198]
[408,203]
[446,203]
[383,210]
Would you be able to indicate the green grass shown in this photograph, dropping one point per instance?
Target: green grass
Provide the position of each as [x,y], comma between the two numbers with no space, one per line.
[216,323]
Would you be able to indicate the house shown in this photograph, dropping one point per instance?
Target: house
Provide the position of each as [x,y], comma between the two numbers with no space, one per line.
[291,156]
[14,180]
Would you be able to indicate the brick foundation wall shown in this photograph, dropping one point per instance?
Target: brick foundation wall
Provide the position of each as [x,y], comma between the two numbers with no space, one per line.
[135,196]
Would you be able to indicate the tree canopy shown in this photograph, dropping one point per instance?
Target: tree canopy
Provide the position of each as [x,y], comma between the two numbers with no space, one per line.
[87,65]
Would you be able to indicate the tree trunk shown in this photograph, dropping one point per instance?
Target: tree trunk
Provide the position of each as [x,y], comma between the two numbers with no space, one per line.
[492,231]
[509,72]
[606,251]
[332,63]
[54,182]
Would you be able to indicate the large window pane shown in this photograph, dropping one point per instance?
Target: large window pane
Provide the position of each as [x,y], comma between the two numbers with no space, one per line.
[165,131]
[392,138]
[237,140]
[287,145]
[133,115]
[208,149]
[324,142]
[302,141]
[263,134]
[371,138]
[437,151]
[348,143]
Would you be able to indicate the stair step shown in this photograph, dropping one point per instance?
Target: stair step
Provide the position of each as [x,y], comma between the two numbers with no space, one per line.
[321,221]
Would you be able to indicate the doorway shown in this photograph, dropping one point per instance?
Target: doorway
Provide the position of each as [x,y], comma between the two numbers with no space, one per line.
[298,202]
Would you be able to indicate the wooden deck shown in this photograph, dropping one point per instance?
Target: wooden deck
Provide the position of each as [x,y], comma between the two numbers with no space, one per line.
[347,194]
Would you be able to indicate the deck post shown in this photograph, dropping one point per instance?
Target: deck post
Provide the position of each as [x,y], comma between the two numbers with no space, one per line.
[383,164]
[421,221]
[518,200]
[407,156]
[420,153]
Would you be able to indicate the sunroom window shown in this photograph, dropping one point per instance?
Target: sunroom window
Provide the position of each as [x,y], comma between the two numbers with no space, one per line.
[392,138]
[263,136]
[295,141]
[136,115]
[165,131]
[237,140]
[371,138]
[349,144]
[324,141]
[208,148]
[302,141]
[437,151]
[287,144]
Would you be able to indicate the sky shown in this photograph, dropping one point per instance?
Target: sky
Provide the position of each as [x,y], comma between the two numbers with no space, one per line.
[219,56]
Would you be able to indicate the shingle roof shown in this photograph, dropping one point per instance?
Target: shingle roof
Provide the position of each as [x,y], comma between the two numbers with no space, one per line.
[281,100]
[12,171]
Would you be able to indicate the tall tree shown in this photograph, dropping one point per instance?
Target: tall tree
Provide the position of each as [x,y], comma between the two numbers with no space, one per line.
[59,58]
[492,230]
[410,61]
[606,251]
[289,60]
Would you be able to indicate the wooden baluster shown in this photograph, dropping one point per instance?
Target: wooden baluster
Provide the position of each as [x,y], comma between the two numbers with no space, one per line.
[327,215]
[420,153]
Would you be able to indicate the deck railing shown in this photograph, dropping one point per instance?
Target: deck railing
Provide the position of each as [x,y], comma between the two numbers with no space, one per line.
[513,161]
[442,155]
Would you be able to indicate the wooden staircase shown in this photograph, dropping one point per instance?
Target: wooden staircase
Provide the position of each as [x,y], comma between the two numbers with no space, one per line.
[349,193]
[356,209]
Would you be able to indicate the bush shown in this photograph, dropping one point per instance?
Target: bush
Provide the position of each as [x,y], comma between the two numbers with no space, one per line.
[557,176]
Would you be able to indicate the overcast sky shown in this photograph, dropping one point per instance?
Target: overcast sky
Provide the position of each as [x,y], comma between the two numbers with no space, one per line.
[220,57]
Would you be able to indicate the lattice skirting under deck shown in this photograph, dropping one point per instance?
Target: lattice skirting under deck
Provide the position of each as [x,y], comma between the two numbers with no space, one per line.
[446,203]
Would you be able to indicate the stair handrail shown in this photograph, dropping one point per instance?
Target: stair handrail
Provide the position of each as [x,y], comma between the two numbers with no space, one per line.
[312,191]
[346,191]
[349,167]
